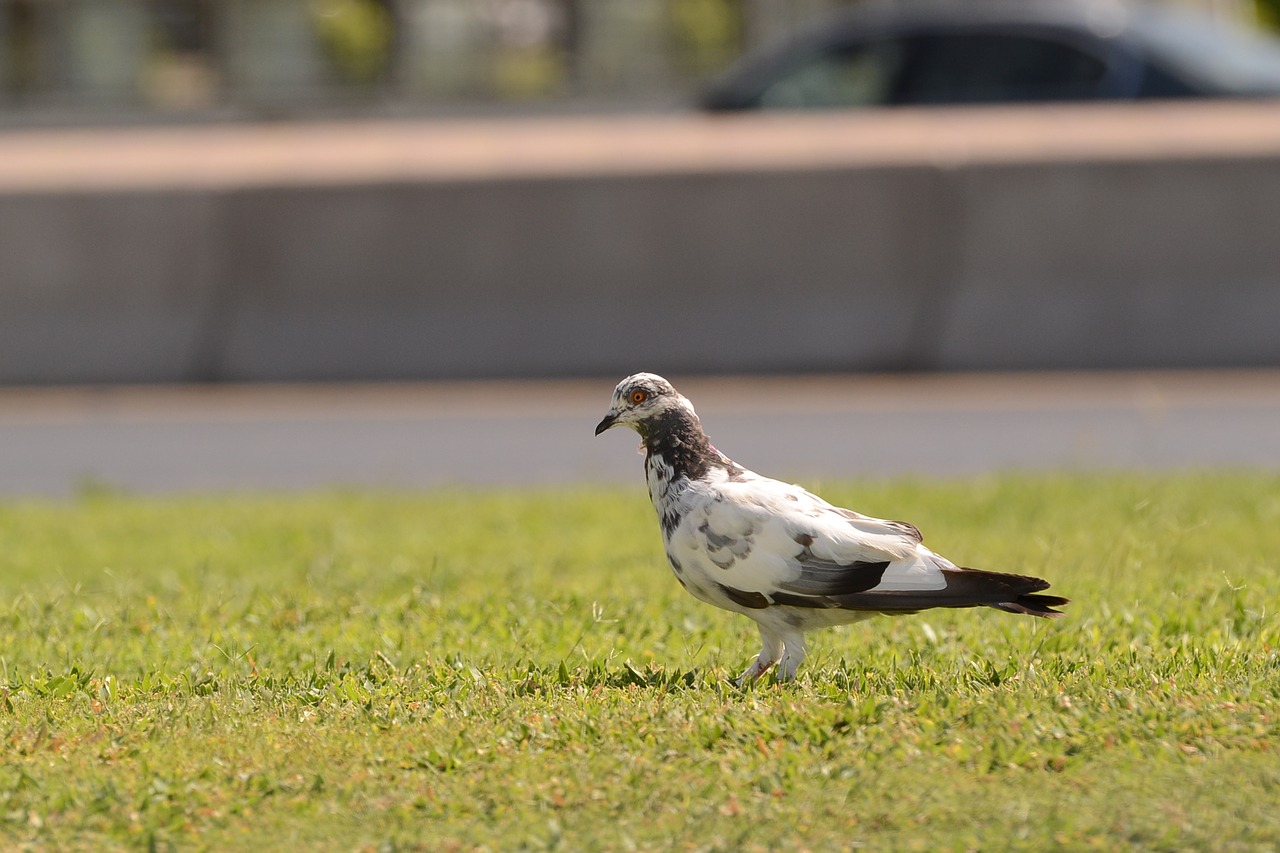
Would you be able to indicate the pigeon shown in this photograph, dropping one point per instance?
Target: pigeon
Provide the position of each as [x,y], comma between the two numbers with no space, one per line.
[781,555]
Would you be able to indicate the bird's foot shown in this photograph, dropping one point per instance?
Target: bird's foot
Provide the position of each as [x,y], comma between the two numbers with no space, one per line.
[753,672]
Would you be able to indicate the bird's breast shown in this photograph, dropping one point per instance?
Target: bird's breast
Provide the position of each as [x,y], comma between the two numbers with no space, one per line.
[665,491]
[692,572]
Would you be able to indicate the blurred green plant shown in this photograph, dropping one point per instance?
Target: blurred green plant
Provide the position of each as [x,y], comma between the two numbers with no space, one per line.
[526,73]
[708,33]
[358,35]
[1268,14]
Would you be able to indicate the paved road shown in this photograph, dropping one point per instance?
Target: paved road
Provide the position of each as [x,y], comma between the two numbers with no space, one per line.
[157,440]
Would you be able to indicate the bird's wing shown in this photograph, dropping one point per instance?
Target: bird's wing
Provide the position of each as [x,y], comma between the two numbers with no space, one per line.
[774,543]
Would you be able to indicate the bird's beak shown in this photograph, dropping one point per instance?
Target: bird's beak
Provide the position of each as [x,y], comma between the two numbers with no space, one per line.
[609,420]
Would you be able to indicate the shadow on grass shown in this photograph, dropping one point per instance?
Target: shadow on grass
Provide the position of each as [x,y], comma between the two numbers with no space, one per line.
[600,675]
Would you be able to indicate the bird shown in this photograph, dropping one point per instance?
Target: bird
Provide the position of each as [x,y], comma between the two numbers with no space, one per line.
[781,555]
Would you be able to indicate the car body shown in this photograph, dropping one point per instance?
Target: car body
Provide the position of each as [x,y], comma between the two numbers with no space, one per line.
[990,51]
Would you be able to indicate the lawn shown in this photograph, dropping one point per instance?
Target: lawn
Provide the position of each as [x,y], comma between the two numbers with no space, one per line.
[519,670]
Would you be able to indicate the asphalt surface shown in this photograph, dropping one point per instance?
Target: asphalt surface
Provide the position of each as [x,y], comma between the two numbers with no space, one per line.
[56,442]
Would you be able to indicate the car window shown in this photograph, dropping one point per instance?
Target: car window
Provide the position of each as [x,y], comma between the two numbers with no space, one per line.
[997,67]
[849,76]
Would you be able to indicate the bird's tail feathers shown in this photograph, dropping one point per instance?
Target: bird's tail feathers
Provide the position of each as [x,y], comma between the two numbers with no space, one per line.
[1034,605]
[964,588]
[1010,593]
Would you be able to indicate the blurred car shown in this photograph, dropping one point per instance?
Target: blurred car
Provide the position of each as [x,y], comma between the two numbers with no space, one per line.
[975,52]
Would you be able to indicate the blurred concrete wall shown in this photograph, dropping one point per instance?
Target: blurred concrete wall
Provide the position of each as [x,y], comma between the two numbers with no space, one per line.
[1049,238]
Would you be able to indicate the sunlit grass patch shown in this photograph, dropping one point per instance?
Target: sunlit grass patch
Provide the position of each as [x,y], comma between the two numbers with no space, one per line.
[513,670]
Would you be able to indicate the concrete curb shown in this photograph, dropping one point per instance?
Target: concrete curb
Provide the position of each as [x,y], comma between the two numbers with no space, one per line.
[1098,237]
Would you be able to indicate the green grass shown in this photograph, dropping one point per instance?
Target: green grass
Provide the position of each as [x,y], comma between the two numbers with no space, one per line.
[506,670]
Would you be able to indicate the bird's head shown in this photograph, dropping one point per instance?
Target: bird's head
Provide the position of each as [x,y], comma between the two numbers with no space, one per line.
[641,400]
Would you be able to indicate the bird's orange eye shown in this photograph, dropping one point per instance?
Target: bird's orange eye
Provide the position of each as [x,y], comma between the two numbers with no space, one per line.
[638,397]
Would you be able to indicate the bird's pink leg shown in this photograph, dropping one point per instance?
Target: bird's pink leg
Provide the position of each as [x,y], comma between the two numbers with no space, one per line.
[770,652]
[794,653]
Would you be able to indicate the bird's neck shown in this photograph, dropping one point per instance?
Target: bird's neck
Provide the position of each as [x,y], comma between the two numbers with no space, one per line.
[677,453]
[677,439]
